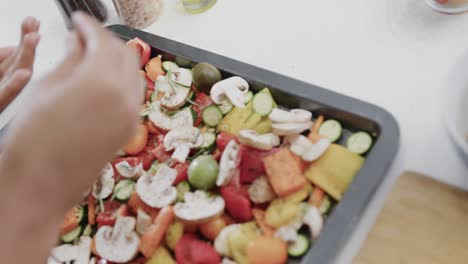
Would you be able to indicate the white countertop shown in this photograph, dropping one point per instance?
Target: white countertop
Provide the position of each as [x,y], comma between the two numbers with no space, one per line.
[393,53]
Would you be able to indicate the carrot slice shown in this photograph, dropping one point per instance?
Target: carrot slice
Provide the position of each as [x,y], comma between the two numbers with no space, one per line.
[317,197]
[259,216]
[314,135]
[70,222]
[153,237]
[93,246]
[91,210]
[284,172]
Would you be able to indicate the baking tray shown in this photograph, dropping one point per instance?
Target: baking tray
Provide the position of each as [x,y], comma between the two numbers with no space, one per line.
[291,93]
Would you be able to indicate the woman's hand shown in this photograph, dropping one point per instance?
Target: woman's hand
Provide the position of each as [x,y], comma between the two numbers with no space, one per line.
[16,63]
[79,116]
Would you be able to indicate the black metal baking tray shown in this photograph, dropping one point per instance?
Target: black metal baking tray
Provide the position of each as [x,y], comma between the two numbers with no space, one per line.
[352,113]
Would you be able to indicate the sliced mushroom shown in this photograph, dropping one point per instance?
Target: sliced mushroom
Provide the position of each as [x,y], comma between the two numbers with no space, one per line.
[66,253]
[293,122]
[253,139]
[309,151]
[162,84]
[221,241]
[183,118]
[233,89]
[183,77]
[260,191]
[175,99]
[293,116]
[143,222]
[199,206]
[314,220]
[119,243]
[229,162]
[128,171]
[182,140]
[103,187]
[157,191]
[92,261]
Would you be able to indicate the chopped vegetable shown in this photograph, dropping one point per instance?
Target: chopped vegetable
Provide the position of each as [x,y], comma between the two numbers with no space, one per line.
[212,115]
[138,142]
[331,129]
[91,210]
[237,205]
[161,256]
[191,250]
[182,188]
[267,249]
[299,247]
[174,234]
[313,134]
[239,239]
[123,190]
[335,170]
[74,234]
[151,240]
[72,219]
[142,48]
[202,172]
[359,142]
[212,227]
[284,174]
[154,68]
[263,104]
[280,212]
[317,197]
[169,66]
[325,206]
[136,203]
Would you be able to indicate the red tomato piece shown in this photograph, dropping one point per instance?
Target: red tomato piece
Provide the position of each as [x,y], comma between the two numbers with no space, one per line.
[161,154]
[237,204]
[142,48]
[201,102]
[182,172]
[223,139]
[191,250]
[109,215]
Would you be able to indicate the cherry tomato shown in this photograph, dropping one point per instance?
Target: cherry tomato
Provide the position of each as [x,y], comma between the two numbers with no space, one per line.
[266,249]
[182,172]
[201,102]
[191,250]
[212,228]
[161,154]
[138,142]
[237,204]
[142,48]
[223,139]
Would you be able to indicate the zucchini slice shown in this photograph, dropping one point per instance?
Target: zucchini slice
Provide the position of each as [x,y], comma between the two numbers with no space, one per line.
[169,66]
[263,104]
[72,235]
[299,247]
[123,190]
[331,129]
[211,115]
[359,142]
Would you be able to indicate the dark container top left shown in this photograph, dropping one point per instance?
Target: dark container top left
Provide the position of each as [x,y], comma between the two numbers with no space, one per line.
[94,8]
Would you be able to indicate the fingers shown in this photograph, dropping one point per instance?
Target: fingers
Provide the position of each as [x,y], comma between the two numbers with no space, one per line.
[27,52]
[29,25]
[89,31]
[6,52]
[12,86]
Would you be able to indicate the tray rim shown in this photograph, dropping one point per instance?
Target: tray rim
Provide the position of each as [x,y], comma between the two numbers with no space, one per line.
[347,213]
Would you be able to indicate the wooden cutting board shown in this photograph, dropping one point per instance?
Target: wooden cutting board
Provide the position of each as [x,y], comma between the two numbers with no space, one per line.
[423,221]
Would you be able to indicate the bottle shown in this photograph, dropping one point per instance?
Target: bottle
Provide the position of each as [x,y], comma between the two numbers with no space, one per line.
[198,6]
[138,13]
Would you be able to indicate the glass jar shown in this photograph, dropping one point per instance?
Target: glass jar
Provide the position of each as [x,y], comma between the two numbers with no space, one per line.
[449,6]
[138,13]
[198,6]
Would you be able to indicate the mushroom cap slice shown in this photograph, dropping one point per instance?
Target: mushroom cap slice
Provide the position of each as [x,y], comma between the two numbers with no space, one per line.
[182,140]
[317,150]
[157,191]
[64,253]
[233,89]
[128,171]
[199,206]
[119,243]
[105,184]
[309,151]
[293,116]
[221,241]
[229,162]
[314,220]
[175,99]
[183,76]
[143,222]
[183,118]
[253,139]
[283,129]
[84,250]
